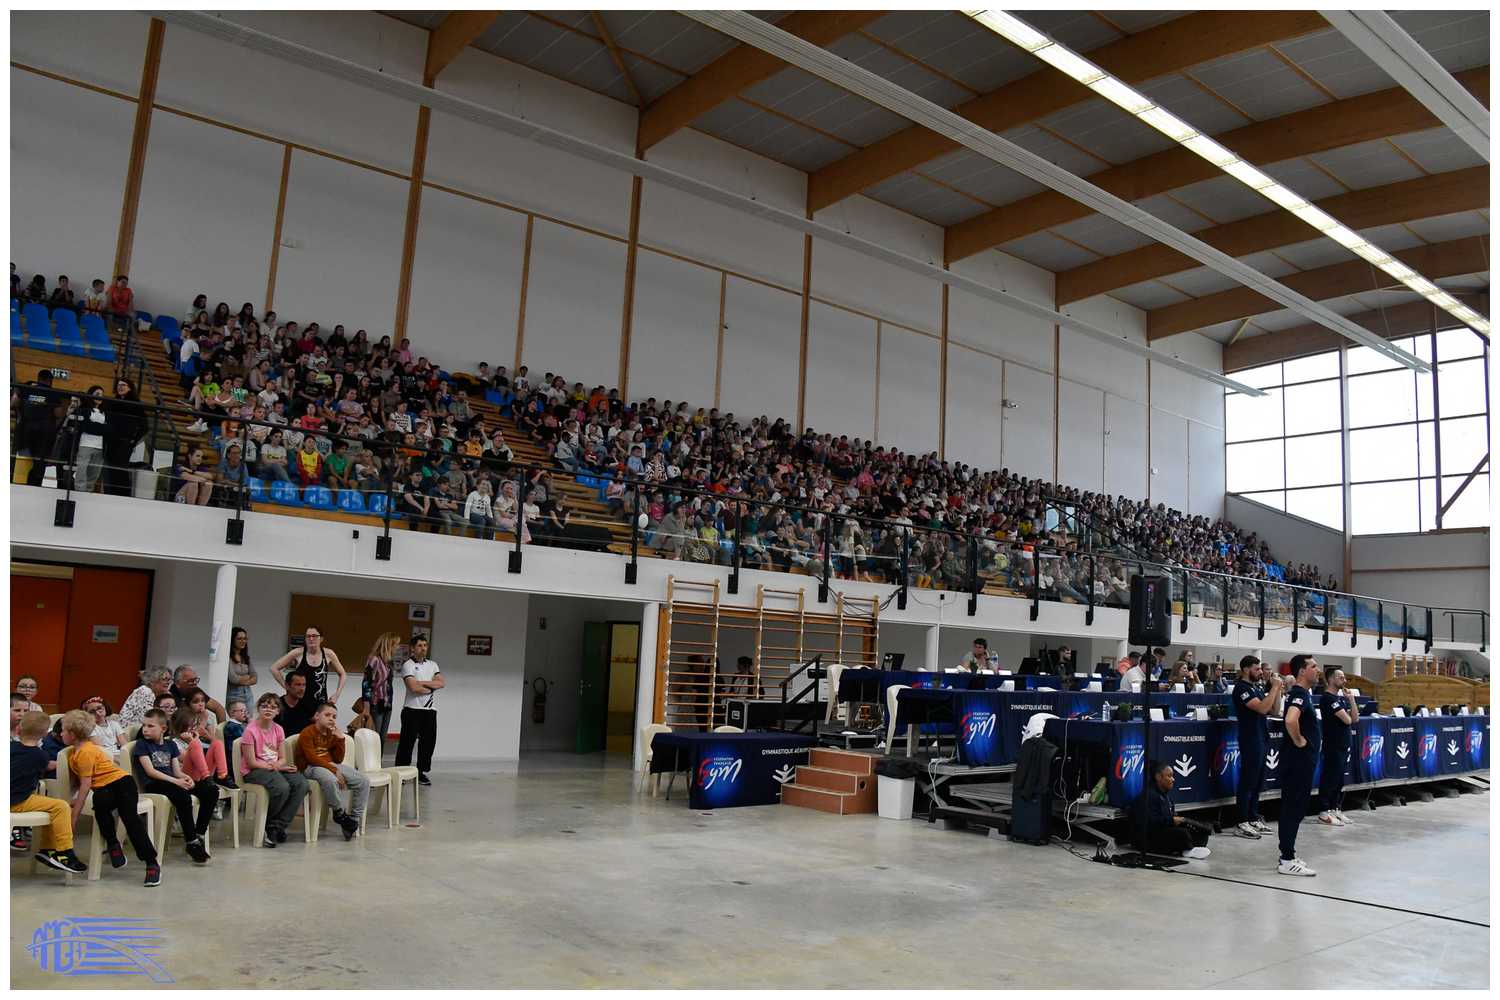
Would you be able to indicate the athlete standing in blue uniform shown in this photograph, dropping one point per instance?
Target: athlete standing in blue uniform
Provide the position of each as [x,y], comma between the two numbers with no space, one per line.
[1252,703]
[1339,716]
[1299,755]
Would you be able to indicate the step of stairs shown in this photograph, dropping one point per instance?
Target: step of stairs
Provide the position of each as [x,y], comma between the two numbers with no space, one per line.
[833,781]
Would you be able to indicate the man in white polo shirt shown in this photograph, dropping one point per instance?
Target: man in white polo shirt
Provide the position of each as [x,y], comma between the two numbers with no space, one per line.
[423,679]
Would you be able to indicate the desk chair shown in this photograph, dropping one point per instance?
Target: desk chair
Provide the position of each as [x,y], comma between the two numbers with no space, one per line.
[647,733]
[96,842]
[365,745]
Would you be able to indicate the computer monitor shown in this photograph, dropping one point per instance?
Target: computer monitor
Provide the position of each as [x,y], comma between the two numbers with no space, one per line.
[892,661]
[1031,665]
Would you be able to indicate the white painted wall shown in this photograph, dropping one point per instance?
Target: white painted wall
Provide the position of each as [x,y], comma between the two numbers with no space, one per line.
[674,343]
[909,389]
[1291,537]
[840,371]
[1449,569]
[762,333]
[106,48]
[573,304]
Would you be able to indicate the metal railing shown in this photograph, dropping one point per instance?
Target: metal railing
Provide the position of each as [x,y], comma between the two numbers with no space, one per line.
[737,531]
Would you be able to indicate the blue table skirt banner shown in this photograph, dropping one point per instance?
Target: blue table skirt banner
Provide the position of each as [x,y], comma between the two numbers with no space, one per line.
[869,685]
[1205,756]
[726,770]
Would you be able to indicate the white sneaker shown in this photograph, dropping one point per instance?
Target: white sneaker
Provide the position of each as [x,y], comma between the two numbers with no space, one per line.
[1261,826]
[1247,831]
[1197,853]
[1339,815]
[1295,867]
[197,427]
[1329,819]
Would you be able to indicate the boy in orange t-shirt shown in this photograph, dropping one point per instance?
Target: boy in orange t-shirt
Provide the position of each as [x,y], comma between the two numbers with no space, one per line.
[114,792]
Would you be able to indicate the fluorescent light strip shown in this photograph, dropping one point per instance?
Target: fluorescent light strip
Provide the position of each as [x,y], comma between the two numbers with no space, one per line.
[625,162]
[859,81]
[1134,103]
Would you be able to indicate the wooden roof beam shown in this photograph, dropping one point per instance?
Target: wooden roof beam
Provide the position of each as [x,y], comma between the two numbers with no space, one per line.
[1404,201]
[1312,338]
[1168,48]
[737,70]
[1440,260]
[448,39]
[1379,115]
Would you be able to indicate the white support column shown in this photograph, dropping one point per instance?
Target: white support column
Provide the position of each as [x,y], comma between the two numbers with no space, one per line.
[216,679]
[934,633]
[645,684]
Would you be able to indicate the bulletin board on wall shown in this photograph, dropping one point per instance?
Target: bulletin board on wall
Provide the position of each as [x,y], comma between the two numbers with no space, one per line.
[350,625]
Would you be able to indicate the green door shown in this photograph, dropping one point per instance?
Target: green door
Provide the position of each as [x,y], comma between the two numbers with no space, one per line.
[593,688]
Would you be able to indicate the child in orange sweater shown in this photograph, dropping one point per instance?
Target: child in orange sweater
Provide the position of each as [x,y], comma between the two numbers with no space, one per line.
[114,793]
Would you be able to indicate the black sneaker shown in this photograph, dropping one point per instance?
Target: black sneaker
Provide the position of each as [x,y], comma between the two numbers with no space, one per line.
[153,874]
[349,824]
[20,839]
[116,856]
[422,778]
[196,852]
[63,861]
[225,782]
[270,841]
[280,835]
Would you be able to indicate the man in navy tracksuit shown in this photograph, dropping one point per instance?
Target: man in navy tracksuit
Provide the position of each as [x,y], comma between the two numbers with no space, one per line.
[1339,716]
[1299,755]
[1252,703]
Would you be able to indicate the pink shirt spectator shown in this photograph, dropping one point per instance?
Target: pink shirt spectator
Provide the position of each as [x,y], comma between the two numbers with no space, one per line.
[265,744]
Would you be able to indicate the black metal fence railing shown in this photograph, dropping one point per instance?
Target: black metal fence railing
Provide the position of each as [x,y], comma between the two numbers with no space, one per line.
[400,483]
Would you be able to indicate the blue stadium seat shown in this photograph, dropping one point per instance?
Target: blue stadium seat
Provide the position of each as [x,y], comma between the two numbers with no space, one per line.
[492,396]
[285,493]
[318,497]
[352,501]
[17,335]
[93,329]
[258,490]
[38,324]
[143,316]
[168,327]
[377,507]
[99,352]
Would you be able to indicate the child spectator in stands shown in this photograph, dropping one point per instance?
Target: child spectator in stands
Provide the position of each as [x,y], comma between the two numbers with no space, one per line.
[232,475]
[234,724]
[479,512]
[158,764]
[36,291]
[96,299]
[29,763]
[62,295]
[273,458]
[108,732]
[113,794]
[320,754]
[197,481]
[122,300]
[27,687]
[211,746]
[261,764]
[337,466]
[308,463]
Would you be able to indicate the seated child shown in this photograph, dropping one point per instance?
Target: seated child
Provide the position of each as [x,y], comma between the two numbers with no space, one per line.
[28,763]
[158,763]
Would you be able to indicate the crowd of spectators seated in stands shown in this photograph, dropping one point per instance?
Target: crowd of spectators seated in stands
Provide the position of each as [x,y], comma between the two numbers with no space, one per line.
[408,422]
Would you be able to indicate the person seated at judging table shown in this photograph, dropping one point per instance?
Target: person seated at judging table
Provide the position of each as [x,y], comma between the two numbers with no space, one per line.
[1167,832]
[979,658]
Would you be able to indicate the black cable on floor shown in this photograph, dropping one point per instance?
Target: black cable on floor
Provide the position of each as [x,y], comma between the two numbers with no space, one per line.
[1319,895]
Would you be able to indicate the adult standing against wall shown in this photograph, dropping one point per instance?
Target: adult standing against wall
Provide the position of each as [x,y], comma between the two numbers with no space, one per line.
[378,683]
[423,679]
[313,661]
[124,425]
[242,676]
[1299,755]
[1252,704]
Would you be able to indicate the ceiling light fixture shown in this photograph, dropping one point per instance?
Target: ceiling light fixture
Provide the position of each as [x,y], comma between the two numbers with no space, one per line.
[1133,102]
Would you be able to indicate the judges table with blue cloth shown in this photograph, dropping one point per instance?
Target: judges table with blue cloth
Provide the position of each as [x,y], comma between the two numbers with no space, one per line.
[730,769]
[1205,756]
[863,684]
[947,709]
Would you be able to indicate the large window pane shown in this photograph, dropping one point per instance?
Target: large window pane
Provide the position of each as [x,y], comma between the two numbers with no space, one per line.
[1312,407]
[1461,387]
[1464,445]
[1314,461]
[1324,505]
[1428,503]
[1367,359]
[1254,466]
[1383,453]
[1247,418]
[1387,398]
[1384,508]
[1459,343]
[1472,508]
[1426,449]
[1315,367]
[1259,378]
[1273,498]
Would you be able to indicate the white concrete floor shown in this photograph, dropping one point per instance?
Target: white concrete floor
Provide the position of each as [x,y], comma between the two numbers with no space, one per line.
[558,874]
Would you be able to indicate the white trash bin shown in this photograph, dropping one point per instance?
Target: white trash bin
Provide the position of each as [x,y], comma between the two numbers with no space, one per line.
[895,796]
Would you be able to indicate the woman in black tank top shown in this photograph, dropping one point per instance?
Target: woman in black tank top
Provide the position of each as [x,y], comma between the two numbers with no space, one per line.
[313,661]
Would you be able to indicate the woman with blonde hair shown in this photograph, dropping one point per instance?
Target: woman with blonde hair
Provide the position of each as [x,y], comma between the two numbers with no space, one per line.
[377,683]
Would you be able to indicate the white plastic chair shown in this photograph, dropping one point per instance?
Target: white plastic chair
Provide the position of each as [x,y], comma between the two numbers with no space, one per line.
[891,694]
[365,747]
[401,774]
[834,670]
[144,807]
[312,804]
[257,798]
[728,729]
[647,734]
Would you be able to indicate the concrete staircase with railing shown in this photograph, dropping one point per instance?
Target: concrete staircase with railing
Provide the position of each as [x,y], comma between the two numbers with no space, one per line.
[834,781]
